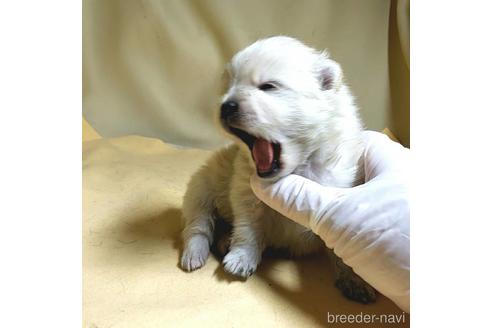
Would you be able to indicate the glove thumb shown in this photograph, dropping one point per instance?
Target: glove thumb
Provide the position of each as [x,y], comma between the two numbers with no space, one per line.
[299,199]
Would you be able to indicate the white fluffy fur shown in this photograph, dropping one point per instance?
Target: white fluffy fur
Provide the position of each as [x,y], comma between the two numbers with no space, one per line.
[311,114]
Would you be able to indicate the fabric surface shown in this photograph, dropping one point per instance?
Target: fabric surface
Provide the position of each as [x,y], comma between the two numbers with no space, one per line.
[154,68]
[88,133]
[132,196]
[399,69]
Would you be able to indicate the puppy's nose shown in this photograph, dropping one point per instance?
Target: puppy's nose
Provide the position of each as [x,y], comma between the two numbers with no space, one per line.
[228,109]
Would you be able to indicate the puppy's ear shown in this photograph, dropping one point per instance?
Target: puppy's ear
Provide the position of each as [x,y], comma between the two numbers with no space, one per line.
[329,72]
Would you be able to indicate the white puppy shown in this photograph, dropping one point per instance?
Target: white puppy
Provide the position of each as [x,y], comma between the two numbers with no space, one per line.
[288,111]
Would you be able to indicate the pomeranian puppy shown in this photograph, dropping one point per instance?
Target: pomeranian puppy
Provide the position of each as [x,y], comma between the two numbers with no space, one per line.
[288,111]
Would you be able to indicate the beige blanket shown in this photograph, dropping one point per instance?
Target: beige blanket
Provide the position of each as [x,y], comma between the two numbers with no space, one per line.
[132,193]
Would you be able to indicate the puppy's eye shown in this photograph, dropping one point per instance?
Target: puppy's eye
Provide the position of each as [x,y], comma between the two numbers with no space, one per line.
[266,86]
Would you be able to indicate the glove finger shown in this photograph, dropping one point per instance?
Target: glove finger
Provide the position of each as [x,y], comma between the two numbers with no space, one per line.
[383,155]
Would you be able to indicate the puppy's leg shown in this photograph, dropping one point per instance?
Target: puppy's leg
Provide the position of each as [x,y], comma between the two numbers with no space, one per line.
[350,284]
[197,235]
[247,239]
[245,249]
[206,195]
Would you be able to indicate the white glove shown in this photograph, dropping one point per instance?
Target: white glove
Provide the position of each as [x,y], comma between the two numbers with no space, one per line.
[367,226]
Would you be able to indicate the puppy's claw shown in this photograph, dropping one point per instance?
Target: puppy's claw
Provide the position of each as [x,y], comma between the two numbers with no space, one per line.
[241,262]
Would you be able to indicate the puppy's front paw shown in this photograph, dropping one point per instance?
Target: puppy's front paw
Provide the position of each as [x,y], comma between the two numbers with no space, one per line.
[241,261]
[355,288]
[195,253]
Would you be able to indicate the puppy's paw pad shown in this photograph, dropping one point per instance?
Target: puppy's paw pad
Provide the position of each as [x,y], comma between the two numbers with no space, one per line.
[356,289]
[241,262]
[195,254]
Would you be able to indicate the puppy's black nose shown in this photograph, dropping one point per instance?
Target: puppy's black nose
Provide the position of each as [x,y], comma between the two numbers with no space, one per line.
[228,109]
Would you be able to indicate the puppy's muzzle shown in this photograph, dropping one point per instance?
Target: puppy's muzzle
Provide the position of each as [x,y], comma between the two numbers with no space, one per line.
[229,111]
[265,153]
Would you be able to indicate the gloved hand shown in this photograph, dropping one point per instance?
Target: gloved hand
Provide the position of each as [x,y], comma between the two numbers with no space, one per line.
[367,226]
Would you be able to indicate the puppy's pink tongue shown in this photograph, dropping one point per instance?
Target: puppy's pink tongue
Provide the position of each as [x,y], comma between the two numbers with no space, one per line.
[263,155]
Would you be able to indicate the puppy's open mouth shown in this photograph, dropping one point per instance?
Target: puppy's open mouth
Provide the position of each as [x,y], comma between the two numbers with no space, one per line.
[266,154]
